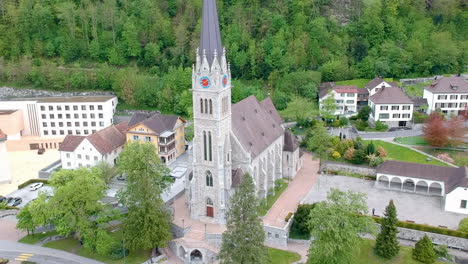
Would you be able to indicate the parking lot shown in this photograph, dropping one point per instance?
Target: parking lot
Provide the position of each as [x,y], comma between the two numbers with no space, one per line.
[27,195]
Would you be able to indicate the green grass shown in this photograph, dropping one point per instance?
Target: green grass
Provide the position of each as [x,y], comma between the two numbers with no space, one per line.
[400,153]
[460,158]
[34,238]
[416,89]
[366,255]
[73,246]
[266,204]
[359,83]
[278,256]
[420,141]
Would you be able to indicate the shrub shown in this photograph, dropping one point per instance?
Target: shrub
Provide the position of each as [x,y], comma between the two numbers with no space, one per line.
[117,252]
[361,125]
[419,118]
[364,113]
[288,217]
[359,157]
[358,143]
[343,121]
[382,152]
[344,145]
[370,148]
[349,154]
[354,118]
[445,157]
[374,160]
[336,123]
[336,155]
[424,251]
[442,252]
[463,226]
[381,126]
[301,217]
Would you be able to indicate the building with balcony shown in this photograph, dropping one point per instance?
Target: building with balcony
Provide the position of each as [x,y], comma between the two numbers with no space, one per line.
[346,97]
[86,151]
[166,132]
[449,95]
[391,106]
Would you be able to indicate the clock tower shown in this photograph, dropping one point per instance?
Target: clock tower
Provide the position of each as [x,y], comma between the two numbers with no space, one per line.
[211,87]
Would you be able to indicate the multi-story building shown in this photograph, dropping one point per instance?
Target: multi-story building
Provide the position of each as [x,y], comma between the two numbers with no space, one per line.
[166,132]
[346,97]
[391,106]
[449,95]
[86,151]
[46,121]
[377,84]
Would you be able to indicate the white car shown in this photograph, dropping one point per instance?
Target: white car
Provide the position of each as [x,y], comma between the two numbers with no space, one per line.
[36,186]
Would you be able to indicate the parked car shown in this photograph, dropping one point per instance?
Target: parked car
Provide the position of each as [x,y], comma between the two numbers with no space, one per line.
[17,201]
[7,200]
[40,151]
[36,186]
[2,198]
[12,200]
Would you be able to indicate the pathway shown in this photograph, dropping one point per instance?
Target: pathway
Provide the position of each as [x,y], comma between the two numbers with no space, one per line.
[297,190]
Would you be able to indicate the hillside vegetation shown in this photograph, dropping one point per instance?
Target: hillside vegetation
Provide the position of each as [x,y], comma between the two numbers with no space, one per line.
[144,49]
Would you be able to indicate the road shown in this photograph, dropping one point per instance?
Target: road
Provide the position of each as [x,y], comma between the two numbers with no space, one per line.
[18,252]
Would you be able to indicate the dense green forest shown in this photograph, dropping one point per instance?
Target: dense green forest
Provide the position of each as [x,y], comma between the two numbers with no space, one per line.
[144,49]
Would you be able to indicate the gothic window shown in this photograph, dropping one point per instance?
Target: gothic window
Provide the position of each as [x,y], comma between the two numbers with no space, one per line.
[205,153]
[210,147]
[206,106]
[201,106]
[211,107]
[209,201]
[209,179]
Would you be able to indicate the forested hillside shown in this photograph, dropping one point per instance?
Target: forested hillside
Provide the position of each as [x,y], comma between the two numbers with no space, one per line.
[144,49]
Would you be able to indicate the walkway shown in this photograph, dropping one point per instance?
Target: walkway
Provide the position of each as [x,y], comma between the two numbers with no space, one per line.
[295,193]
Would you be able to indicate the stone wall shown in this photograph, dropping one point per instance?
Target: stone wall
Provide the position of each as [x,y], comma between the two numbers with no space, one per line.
[449,241]
[337,166]
[9,92]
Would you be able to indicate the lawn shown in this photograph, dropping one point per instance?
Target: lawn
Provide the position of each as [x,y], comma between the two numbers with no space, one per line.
[359,83]
[34,238]
[366,255]
[460,158]
[400,153]
[73,246]
[416,89]
[266,204]
[420,141]
[277,256]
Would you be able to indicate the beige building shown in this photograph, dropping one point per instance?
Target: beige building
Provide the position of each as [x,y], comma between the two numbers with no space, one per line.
[165,132]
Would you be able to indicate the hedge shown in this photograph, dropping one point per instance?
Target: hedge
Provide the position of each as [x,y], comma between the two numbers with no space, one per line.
[288,217]
[428,228]
[26,183]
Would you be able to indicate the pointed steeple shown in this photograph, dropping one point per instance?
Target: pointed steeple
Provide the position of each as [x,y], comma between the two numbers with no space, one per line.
[210,38]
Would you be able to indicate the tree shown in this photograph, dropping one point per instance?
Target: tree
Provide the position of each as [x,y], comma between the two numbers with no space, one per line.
[328,107]
[244,237]
[371,148]
[456,130]
[25,220]
[148,223]
[318,140]
[387,245]
[364,113]
[300,110]
[340,218]
[424,251]
[104,171]
[436,133]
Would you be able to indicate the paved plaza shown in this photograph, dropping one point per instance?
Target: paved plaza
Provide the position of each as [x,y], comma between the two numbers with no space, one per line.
[419,208]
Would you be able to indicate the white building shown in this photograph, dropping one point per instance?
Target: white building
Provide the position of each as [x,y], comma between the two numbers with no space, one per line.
[377,84]
[86,151]
[449,94]
[346,97]
[61,116]
[449,183]
[5,175]
[391,106]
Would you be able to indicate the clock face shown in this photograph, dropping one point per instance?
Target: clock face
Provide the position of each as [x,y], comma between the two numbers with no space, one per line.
[205,82]
[225,80]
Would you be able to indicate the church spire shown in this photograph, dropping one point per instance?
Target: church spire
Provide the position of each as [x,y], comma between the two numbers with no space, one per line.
[210,38]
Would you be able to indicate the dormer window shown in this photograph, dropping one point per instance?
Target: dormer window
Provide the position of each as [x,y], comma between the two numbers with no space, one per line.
[454,87]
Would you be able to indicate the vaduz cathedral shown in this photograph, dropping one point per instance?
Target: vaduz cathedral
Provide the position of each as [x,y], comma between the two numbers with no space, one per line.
[231,139]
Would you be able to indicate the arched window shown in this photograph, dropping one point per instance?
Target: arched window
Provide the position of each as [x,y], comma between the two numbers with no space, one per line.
[201,105]
[205,152]
[209,201]
[211,107]
[209,179]
[206,106]
[210,149]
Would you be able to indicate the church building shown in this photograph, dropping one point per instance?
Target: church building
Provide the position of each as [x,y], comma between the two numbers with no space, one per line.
[231,140]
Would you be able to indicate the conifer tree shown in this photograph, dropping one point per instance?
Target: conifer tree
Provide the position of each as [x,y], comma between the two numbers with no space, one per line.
[387,245]
[424,251]
[244,237]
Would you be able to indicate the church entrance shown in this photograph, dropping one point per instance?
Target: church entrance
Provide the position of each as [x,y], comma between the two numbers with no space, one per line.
[209,208]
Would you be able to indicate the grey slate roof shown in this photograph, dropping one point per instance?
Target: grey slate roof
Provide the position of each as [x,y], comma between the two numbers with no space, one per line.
[157,122]
[448,85]
[418,101]
[237,176]
[254,126]
[290,142]
[372,84]
[390,95]
[452,177]
[210,37]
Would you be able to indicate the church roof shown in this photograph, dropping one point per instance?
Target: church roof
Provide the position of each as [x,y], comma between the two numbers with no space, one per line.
[210,37]
[256,124]
[290,142]
[237,176]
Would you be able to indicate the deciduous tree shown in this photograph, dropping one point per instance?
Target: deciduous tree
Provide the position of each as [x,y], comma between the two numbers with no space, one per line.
[328,107]
[436,132]
[244,237]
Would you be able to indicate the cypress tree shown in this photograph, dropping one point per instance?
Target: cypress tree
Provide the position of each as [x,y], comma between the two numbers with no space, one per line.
[370,148]
[244,237]
[424,251]
[387,245]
